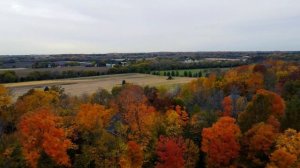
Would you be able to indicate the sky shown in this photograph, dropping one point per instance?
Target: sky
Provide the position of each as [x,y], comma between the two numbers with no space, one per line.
[106,26]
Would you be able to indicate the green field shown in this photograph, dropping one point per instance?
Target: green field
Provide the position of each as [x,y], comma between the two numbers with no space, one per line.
[188,72]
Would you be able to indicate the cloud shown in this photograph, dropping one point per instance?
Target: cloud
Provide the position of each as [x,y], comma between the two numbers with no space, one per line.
[72,26]
[47,11]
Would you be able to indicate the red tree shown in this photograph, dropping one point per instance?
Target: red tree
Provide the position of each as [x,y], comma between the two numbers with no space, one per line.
[170,152]
[227,106]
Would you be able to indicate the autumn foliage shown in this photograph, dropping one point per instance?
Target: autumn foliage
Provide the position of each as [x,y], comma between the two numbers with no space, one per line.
[287,153]
[35,99]
[136,112]
[247,116]
[221,142]
[227,106]
[5,98]
[92,116]
[259,140]
[40,131]
[264,105]
[133,157]
[176,119]
[277,103]
[170,152]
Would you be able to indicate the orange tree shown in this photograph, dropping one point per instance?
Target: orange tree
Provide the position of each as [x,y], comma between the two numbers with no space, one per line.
[133,157]
[41,132]
[221,142]
[258,142]
[263,105]
[136,113]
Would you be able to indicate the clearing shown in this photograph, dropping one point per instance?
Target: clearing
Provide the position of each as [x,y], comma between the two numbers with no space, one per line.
[79,86]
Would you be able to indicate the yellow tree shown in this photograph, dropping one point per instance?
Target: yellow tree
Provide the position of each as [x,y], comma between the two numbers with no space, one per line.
[172,123]
[191,155]
[35,99]
[287,153]
[5,98]
[5,101]
[175,120]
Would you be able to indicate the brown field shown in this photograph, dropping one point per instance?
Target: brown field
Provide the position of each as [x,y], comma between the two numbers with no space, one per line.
[79,86]
[25,71]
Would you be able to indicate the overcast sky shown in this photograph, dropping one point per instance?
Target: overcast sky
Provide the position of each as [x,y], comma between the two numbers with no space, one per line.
[101,26]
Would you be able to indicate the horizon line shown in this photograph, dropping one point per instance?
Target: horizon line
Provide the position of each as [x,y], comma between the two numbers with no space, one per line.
[107,53]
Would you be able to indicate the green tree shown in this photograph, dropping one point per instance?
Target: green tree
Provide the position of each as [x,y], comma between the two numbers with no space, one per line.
[185,73]
[8,76]
[291,93]
[168,73]
[102,97]
[200,74]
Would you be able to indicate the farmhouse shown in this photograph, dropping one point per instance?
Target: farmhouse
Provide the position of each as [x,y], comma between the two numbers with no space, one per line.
[113,62]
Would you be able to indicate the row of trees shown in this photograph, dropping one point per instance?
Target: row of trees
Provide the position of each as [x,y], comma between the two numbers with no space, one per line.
[245,117]
[160,64]
[11,76]
[176,73]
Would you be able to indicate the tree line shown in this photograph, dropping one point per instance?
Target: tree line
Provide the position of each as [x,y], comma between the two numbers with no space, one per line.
[11,76]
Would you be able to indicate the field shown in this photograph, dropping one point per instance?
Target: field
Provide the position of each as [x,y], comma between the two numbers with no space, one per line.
[79,86]
[193,71]
[22,72]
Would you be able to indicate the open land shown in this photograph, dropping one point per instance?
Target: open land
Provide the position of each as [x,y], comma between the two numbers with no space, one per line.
[79,86]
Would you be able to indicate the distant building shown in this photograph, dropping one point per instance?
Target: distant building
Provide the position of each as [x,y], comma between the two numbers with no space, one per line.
[189,60]
[113,62]
[110,65]
[86,64]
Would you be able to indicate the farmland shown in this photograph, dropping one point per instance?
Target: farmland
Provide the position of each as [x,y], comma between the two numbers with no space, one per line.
[88,85]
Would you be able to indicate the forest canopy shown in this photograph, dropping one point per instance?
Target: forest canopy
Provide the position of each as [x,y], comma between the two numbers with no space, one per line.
[247,116]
